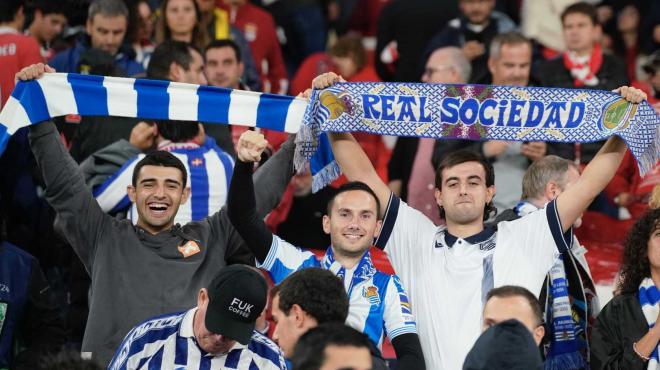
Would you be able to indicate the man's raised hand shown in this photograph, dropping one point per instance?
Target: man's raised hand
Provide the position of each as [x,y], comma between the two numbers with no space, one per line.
[250,146]
[326,80]
[33,72]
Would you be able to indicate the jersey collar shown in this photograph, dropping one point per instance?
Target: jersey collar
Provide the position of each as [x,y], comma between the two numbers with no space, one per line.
[480,237]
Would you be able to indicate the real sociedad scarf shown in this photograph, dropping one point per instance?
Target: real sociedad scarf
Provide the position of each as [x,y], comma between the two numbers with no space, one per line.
[649,299]
[402,109]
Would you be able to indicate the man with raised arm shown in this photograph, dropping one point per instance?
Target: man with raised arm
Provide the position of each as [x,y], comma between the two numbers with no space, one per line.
[378,304]
[156,266]
[448,270]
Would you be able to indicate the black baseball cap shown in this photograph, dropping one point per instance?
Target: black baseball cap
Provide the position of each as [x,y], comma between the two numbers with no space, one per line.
[237,296]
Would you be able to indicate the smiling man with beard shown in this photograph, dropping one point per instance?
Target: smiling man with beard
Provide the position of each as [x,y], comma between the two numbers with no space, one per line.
[156,266]
[378,305]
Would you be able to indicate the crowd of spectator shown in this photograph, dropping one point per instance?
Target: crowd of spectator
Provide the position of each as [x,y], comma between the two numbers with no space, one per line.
[113,255]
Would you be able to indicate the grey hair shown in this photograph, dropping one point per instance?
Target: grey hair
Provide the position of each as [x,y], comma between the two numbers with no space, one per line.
[550,168]
[507,38]
[107,8]
[457,60]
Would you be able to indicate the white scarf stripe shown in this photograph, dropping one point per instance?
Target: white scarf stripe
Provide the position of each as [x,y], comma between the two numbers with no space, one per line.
[183,101]
[59,96]
[122,97]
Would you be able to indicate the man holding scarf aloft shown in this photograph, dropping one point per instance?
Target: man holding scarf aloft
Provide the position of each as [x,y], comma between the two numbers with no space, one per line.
[378,304]
[448,270]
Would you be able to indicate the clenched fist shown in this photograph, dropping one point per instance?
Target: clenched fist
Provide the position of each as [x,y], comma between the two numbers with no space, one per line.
[250,146]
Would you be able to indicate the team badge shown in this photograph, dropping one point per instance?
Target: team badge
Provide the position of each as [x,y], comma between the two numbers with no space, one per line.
[189,249]
[371,294]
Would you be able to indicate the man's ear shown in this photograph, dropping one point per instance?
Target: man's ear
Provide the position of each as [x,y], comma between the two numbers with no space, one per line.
[326,224]
[185,195]
[490,193]
[131,193]
[202,297]
[175,72]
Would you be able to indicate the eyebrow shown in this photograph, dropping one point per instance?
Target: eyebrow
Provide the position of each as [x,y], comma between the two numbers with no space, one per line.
[471,177]
[151,179]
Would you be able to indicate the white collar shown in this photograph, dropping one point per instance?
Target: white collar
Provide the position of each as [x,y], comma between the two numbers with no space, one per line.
[7,29]
[186,330]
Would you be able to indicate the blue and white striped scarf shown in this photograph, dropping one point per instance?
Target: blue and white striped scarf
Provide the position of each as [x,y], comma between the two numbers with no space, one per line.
[472,112]
[649,299]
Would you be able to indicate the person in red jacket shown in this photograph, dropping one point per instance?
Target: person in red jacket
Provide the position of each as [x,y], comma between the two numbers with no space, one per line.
[16,50]
[258,27]
[630,190]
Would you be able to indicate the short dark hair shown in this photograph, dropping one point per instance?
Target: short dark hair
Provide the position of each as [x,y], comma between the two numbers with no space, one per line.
[225,43]
[581,8]
[107,8]
[50,7]
[354,186]
[177,131]
[9,9]
[160,158]
[464,156]
[508,291]
[168,52]
[318,292]
[309,352]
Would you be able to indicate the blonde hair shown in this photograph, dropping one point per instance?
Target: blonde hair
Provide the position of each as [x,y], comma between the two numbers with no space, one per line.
[654,202]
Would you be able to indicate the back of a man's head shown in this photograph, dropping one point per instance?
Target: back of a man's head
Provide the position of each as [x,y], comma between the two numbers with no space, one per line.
[9,9]
[550,168]
[177,131]
[335,346]
[318,292]
[505,346]
[168,52]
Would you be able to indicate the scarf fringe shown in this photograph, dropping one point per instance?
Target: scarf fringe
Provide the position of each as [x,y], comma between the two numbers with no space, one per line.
[565,361]
[325,176]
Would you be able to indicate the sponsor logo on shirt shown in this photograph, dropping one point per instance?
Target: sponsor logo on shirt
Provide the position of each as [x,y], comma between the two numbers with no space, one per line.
[189,249]
[371,294]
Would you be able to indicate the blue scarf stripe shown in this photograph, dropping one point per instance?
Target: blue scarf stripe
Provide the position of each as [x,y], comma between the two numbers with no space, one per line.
[89,94]
[58,94]
[213,104]
[649,295]
[649,299]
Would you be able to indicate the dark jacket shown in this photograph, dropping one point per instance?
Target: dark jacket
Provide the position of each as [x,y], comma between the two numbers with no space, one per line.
[457,33]
[411,23]
[611,75]
[620,323]
[29,318]
[136,275]
[67,61]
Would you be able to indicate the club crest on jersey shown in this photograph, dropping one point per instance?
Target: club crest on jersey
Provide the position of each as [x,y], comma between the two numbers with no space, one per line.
[189,249]
[371,294]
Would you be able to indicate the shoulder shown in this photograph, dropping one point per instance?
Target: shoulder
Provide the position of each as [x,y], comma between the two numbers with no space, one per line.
[264,347]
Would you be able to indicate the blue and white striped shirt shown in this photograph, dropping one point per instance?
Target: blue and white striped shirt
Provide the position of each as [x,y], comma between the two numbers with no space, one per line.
[168,342]
[378,305]
[209,175]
